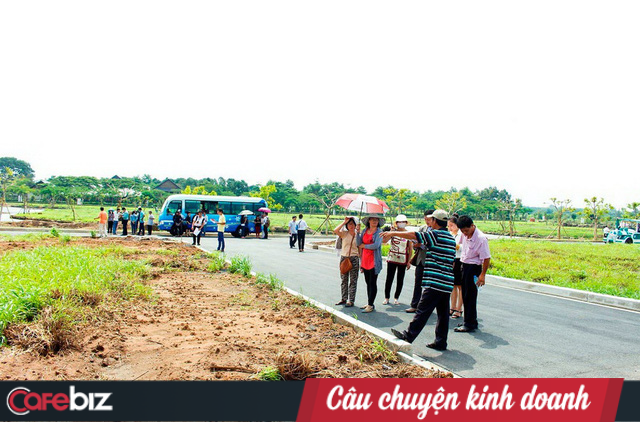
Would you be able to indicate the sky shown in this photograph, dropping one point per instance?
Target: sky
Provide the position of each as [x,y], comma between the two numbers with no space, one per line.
[539,98]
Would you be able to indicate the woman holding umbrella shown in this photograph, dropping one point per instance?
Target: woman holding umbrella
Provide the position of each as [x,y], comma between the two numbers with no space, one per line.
[370,246]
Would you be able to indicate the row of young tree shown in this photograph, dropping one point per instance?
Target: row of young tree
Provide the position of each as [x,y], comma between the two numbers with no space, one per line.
[491,203]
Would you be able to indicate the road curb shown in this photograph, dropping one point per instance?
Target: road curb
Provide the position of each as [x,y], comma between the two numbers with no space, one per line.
[401,347]
[547,289]
[565,292]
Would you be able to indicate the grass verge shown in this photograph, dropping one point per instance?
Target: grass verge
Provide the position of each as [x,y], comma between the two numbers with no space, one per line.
[63,281]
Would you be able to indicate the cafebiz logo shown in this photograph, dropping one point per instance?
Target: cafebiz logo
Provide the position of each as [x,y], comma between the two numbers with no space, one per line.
[21,401]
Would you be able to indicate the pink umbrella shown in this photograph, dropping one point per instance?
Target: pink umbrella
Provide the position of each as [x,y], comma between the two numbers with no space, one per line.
[264,209]
[362,203]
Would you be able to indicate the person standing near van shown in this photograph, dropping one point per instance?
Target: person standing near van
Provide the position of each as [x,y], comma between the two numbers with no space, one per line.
[197,225]
[302,232]
[125,221]
[110,218]
[266,222]
[347,231]
[102,222]
[150,223]
[258,223]
[222,222]
[140,222]
[133,218]
[117,217]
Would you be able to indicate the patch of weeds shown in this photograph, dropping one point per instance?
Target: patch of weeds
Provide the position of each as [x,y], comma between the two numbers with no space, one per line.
[217,262]
[376,350]
[52,332]
[65,239]
[275,306]
[54,232]
[93,234]
[271,281]
[240,265]
[296,366]
[269,373]
[244,299]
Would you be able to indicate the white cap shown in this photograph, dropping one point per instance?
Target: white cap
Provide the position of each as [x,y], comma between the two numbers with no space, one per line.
[401,217]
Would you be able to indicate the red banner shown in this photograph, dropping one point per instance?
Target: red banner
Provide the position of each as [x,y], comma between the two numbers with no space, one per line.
[527,399]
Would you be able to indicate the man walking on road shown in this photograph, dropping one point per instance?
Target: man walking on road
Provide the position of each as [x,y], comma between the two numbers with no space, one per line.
[293,232]
[102,222]
[475,258]
[302,231]
[420,253]
[437,279]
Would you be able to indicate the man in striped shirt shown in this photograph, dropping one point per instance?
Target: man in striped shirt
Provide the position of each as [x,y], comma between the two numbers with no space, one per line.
[437,279]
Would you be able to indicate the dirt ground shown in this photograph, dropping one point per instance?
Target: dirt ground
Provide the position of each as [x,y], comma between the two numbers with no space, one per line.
[203,326]
[49,224]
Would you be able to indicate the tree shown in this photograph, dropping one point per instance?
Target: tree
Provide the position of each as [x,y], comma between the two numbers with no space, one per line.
[327,195]
[595,210]
[561,209]
[452,202]
[508,210]
[265,192]
[632,210]
[18,167]
[398,199]
[7,176]
[22,187]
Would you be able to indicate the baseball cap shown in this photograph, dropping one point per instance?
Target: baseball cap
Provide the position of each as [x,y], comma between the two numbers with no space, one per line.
[441,215]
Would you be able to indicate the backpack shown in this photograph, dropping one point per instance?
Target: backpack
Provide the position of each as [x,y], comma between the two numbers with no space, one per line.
[267,224]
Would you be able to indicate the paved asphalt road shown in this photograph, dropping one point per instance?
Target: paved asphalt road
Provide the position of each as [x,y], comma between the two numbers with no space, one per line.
[521,334]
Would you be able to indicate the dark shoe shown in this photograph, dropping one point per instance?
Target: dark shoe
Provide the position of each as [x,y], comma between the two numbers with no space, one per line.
[411,310]
[436,346]
[464,329]
[342,302]
[399,334]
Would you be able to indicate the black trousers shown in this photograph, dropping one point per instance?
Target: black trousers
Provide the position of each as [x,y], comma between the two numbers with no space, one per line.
[301,234]
[470,294]
[371,278]
[391,273]
[149,230]
[124,227]
[109,226]
[292,240]
[141,229]
[417,287]
[430,300]
[197,238]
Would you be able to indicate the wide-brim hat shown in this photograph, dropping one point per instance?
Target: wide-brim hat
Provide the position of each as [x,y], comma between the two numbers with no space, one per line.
[381,219]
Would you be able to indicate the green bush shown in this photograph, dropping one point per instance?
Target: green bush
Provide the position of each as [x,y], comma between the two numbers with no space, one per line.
[240,265]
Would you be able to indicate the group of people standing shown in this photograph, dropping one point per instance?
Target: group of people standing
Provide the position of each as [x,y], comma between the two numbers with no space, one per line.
[450,256]
[108,222]
[297,232]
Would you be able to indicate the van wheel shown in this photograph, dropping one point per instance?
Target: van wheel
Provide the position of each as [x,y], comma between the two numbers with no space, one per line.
[628,241]
[235,233]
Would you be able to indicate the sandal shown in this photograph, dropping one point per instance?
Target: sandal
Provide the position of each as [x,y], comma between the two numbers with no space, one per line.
[349,304]
[385,302]
[342,302]
[456,316]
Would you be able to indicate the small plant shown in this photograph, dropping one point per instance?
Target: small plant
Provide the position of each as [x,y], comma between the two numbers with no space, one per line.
[217,262]
[271,281]
[54,232]
[240,265]
[65,239]
[269,373]
[275,306]
[376,350]
[93,234]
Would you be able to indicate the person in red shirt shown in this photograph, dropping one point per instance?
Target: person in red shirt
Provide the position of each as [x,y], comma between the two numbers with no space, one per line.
[370,245]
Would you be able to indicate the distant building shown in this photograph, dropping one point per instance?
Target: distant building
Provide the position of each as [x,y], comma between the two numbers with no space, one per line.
[168,186]
[116,177]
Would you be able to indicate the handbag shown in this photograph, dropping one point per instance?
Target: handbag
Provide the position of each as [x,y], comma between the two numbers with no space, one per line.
[345,264]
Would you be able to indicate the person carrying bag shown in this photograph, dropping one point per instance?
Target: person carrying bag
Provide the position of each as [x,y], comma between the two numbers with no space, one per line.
[349,261]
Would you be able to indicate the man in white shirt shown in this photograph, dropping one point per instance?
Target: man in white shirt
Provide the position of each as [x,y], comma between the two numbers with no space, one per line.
[197,225]
[293,232]
[302,231]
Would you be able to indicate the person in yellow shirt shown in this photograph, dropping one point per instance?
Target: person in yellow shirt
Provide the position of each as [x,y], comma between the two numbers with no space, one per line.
[222,222]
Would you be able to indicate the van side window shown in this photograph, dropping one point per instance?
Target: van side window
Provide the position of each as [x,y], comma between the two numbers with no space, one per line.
[192,206]
[174,206]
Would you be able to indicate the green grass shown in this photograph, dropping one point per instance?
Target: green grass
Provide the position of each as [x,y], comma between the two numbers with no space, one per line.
[539,229]
[217,261]
[240,265]
[84,213]
[610,269]
[269,373]
[64,277]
